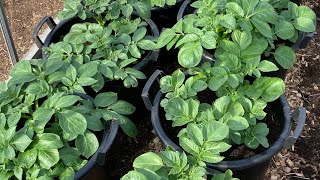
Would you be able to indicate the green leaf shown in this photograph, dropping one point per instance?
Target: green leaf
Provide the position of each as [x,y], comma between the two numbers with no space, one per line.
[262,26]
[21,142]
[105,99]
[3,121]
[284,29]
[72,122]
[127,126]
[190,55]
[48,157]
[143,9]
[261,129]
[263,141]
[218,79]
[139,34]
[14,119]
[267,66]
[84,71]
[170,158]
[266,12]
[27,158]
[177,106]
[211,158]
[67,174]
[71,73]
[228,21]
[256,48]
[235,8]
[189,146]
[67,101]
[94,123]
[304,24]
[242,39]
[305,11]
[133,175]
[9,133]
[85,81]
[48,141]
[149,174]
[18,171]
[208,40]
[275,87]
[165,37]
[215,131]
[230,47]
[136,73]
[22,73]
[187,38]
[134,51]
[249,5]
[87,144]
[9,152]
[127,10]
[122,107]
[238,123]
[216,147]
[285,56]
[42,116]
[195,134]
[149,160]
[147,44]
[61,48]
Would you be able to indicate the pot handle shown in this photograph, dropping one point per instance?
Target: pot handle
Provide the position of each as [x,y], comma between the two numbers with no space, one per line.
[299,116]
[146,89]
[50,22]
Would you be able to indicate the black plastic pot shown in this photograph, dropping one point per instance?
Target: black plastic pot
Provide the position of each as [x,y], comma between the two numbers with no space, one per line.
[302,42]
[98,159]
[58,31]
[253,168]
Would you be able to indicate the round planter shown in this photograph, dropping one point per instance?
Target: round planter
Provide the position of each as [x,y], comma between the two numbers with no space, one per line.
[109,134]
[302,42]
[61,29]
[253,168]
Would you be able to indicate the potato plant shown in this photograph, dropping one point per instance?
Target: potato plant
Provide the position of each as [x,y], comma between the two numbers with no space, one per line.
[114,49]
[47,127]
[220,25]
[171,165]
[103,11]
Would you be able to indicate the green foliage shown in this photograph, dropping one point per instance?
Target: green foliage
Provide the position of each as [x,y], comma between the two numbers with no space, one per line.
[233,26]
[170,165]
[109,51]
[103,11]
[232,117]
[45,126]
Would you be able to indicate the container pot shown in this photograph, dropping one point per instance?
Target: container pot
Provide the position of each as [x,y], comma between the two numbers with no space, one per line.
[98,159]
[302,42]
[253,168]
[58,31]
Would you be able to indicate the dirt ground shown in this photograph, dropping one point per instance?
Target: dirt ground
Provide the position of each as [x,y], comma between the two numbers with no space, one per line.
[303,83]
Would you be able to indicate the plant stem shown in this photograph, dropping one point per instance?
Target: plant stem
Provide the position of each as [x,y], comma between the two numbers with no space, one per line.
[37,104]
